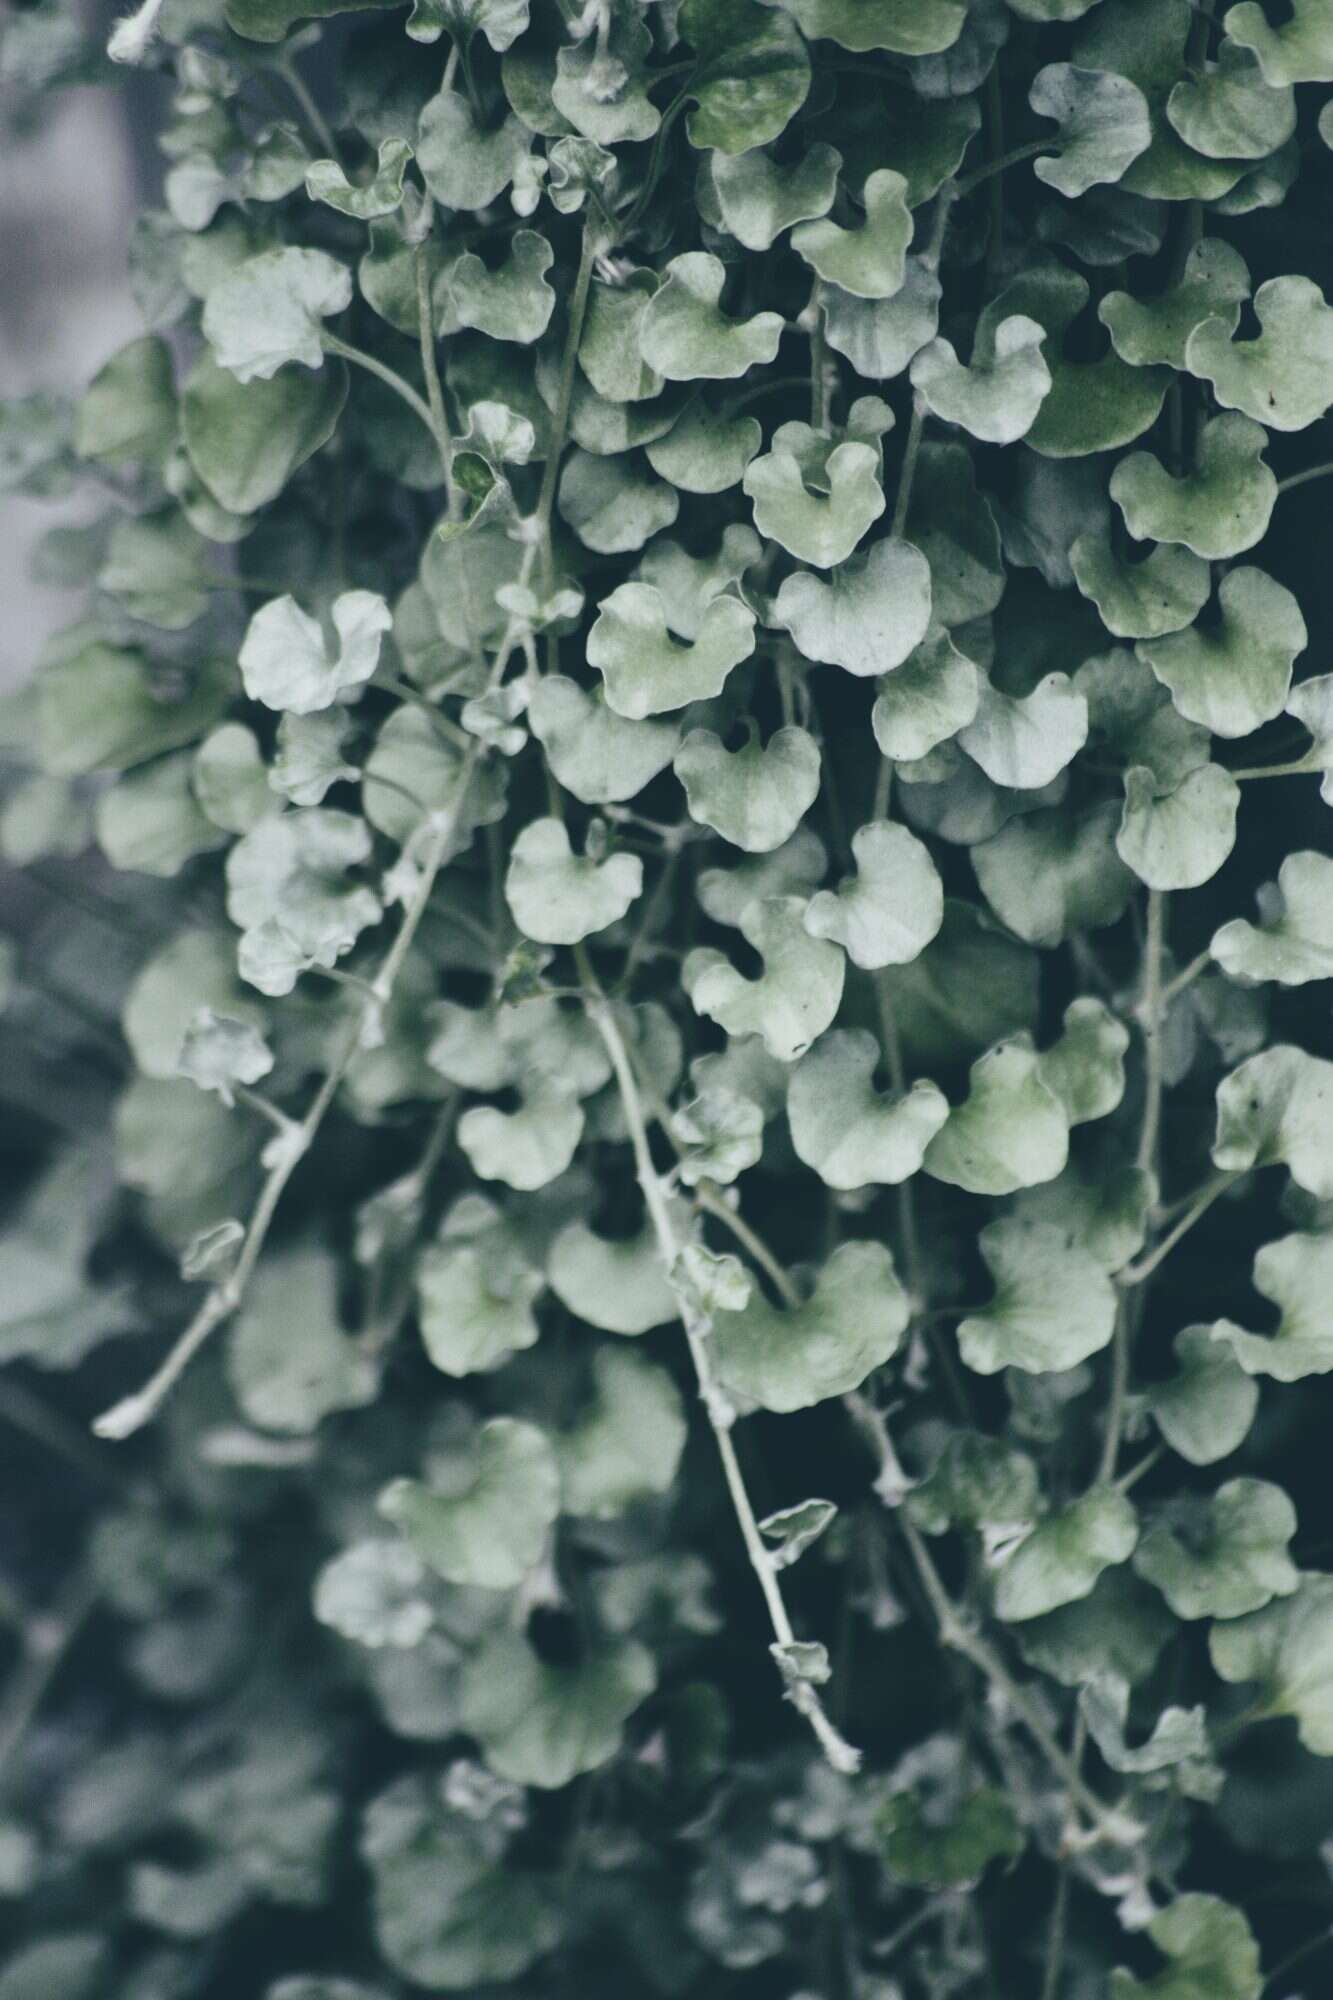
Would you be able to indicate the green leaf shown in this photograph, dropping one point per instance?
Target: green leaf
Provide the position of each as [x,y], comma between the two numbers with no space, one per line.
[155,565]
[954,529]
[705,451]
[684,335]
[819,525]
[842,1127]
[1054,1303]
[1219,508]
[751,78]
[1140,600]
[326,181]
[36,446]
[269,310]
[793,1529]
[1179,1735]
[1231,112]
[1284,377]
[285,661]
[1120,1629]
[245,440]
[475,1293]
[1211,1948]
[1059,1561]
[1300,50]
[619,1285]
[511,302]
[1271,1110]
[794,1358]
[1050,874]
[218,1052]
[127,415]
[595,753]
[196,969]
[464,165]
[1294,1273]
[612,504]
[888,912]
[1285,1648]
[543,1725]
[501,21]
[1237,674]
[1294,942]
[559,897]
[526,1148]
[948,1843]
[609,344]
[928,698]
[761,198]
[721,1132]
[1085,1068]
[1104,125]
[1024,741]
[868,617]
[645,671]
[905,27]
[1214,284]
[1204,1411]
[600,84]
[1222,1557]
[975,1481]
[998,397]
[794,998]
[289,1362]
[483,1514]
[287,890]
[754,797]
[868,262]
[880,336]
[626,1443]
[793,869]
[151,821]
[971,986]
[1175,837]
[688,584]
[1148,41]
[309,756]
[230,780]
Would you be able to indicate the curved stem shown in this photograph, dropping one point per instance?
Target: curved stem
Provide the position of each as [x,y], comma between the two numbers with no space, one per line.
[1134,1274]
[578,306]
[1303,478]
[389,376]
[1009,159]
[310,111]
[439,421]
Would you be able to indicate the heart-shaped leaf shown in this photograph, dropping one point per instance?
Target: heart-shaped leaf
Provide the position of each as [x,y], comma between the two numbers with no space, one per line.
[1284,378]
[1175,837]
[760,198]
[1148,41]
[888,912]
[285,661]
[1234,675]
[688,584]
[627,1441]
[1219,508]
[1009,1132]
[952,525]
[270,310]
[842,1127]
[483,1514]
[1294,1273]
[754,797]
[996,400]
[1294,942]
[1214,284]
[796,995]
[1140,600]
[1204,1411]
[326,181]
[245,440]
[1023,741]
[1085,1068]
[816,525]
[793,1358]
[721,1132]
[1287,1651]
[288,1360]
[1231,112]
[794,869]
[868,262]
[527,1148]
[752,73]
[620,1286]
[645,671]
[613,505]
[513,302]
[1273,1110]
[595,753]
[705,451]
[871,613]
[880,336]
[1223,1557]
[927,700]
[475,1294]
[219,1051]
[1300,50]
[686,337]
[288,891]
[542,1725]
[1054,1303]
[1061,1559]
[1103,120]
[463,164]
[1211,1950]
[559,897]
[905,27]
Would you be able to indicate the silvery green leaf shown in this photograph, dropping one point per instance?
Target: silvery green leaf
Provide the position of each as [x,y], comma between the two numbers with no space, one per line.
[976,1481]
[1293,1273]
[1284,378]
[868,262]
[1236,674]
[285,660]
[1141,600]
[287,889]
[1132,717]
[1286,1649]
[500,434]
[609,345]
[888,912]
[512,301]
[1149,44]
[1210,1946]
[559,897]
[219,1051]
[246,439]
[793,999]
[1178,1735]
[841,1125]
[688,584]
[1222,1557]
[127,414]
[229,778]
[374,1593]
[754,797]
[793,869]
[1204,1411]
[155,566]
[595,753]
[1062,1557]
[309,756]
[760,198]
[150,820]
[1054,1303]
[1294,942]
[463,165]
[906,27]
[1055,872]
[793,1358]
[996,399]
[1300,50]
[425,774]
[1104,1213]
[645,673]
[823,526]
[685,336]
[802,1662]
[1175,837]
[617,1284]
[196,969]
[600,84]
[1273,1110]
[1231,112]
[500,21]
[288,1360]
[326,181]
[1086,1067]
[880,336]
[793,1529]
[1121,1628]
[1312,705]
[543,1725]
[1024,741]
[627,1440]
[1010,1131]
[612,504]
[868,616]
[269,310]
[705,451]
[482,1515]
[1214,284]
[1219,508]
[952,525]
[475,1294]
[971,986]
[36,446]
[1103,120]
[722,1133]
[927,699]
[491,1048]
[526,1148]
[752,73]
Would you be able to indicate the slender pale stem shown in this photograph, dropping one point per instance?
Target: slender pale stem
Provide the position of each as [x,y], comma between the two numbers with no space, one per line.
[1009,159]
[1186,977]
[697,1327]
[310,111]
[707,1198]
[1150,1016]
[578,306]
[1298,768]
[47,1640]
[439,421]
[1134,1274]
[1303,478]
[389,376]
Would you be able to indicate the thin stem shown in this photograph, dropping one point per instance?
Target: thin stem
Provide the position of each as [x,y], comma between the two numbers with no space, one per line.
[47,1640]
[707,1198]
[1053,1971]
[698,1327]
[389,376]
[1009,159]
[310,111]
[1134,1274]
[1311,761]
[1297,1957]
[907,471]
[578,306]
[1175,987]
[29,1414]
[774,383]
[1303,478]
[1116,1402]
[1150,1016]
[1137,1472]
[819,372]
[439,421]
